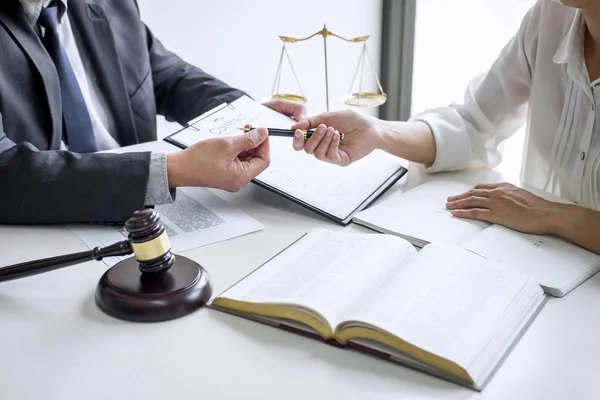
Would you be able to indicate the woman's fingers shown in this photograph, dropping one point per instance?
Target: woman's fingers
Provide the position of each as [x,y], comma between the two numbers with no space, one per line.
[480,214]
[470,202]
[313,142]
[323,147]
[471,193]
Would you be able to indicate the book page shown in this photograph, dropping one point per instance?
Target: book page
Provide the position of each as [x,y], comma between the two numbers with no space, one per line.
[421,214]
[554,263]
[336,190]
[327,271]
[446,300]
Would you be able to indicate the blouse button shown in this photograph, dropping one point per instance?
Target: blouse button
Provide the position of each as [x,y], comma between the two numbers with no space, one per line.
[582,156]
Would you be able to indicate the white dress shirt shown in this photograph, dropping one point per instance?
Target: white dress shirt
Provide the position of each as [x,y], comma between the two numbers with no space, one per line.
[157,191]
[540,78]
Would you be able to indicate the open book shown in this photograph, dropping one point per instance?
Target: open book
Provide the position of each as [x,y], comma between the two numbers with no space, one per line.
[333,191]
[420,216]
[444,310]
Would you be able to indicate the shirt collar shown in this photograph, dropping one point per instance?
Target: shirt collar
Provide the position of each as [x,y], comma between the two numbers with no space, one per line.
[33,8]
[571,52]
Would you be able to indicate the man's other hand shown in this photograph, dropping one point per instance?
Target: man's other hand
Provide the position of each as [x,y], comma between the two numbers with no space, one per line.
[290,108]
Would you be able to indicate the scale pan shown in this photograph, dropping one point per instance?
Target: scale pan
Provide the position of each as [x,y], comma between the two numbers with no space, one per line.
[291,97]
[364,99]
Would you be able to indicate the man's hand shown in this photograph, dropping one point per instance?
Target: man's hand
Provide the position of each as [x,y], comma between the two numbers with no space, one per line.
[290,108]
[361,136]
[228,163]
[507,205]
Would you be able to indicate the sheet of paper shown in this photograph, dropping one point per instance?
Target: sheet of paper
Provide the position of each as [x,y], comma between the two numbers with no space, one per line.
[421,214]
[197,218]
[336,190]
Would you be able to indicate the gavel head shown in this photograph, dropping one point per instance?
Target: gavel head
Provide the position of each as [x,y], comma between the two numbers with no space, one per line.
[149,241]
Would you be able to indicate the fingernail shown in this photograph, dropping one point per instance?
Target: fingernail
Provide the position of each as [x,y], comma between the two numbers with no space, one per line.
[256,135]
[298,135]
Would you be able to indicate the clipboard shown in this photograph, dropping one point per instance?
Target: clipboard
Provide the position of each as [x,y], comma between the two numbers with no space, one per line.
[225,118]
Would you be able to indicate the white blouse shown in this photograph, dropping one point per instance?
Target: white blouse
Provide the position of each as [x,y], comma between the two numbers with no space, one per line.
[540,78]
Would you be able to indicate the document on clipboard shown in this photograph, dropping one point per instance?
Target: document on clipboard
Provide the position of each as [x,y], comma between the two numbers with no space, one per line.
[330,190]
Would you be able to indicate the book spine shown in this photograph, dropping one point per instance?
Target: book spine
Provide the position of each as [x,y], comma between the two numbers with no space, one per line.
[333,342]
[369,350]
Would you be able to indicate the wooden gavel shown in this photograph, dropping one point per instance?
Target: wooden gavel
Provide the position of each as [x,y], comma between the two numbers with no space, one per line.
[152,286]
[148,241]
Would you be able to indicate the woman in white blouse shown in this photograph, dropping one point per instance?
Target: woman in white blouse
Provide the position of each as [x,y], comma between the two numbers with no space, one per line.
[547,77]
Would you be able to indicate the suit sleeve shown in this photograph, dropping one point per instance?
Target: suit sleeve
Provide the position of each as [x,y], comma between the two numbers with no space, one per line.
[43,187]
[183,91]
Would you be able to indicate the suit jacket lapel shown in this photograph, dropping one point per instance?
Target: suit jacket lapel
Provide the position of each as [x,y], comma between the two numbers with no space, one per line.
[15,21]
[90,22]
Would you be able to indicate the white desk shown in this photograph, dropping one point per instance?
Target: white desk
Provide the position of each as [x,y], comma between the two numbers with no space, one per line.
[55,343]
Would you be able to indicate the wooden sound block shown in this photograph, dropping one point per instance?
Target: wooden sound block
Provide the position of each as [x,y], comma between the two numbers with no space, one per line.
[125,293]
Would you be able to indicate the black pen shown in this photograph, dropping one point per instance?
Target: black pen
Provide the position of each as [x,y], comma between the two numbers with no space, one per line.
[288,132]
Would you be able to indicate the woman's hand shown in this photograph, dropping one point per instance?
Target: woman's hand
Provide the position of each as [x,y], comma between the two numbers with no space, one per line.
[507,205]
[361,136]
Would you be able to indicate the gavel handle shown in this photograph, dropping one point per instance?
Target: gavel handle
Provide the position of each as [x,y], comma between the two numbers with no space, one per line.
[49,264]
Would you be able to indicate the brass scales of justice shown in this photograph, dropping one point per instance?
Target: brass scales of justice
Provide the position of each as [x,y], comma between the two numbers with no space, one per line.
[358,98]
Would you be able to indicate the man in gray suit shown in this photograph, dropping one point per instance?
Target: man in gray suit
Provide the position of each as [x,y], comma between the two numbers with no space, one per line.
[77,76]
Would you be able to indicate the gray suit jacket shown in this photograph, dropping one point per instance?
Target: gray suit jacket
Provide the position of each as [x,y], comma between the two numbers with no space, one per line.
[139,78]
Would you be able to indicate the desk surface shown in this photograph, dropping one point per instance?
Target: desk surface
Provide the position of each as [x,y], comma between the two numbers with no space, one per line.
[55,343]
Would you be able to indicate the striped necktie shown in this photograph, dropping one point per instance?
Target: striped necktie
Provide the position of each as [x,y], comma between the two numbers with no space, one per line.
[77,124]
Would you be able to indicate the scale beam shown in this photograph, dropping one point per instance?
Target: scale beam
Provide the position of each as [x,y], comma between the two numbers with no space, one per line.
[323,32]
